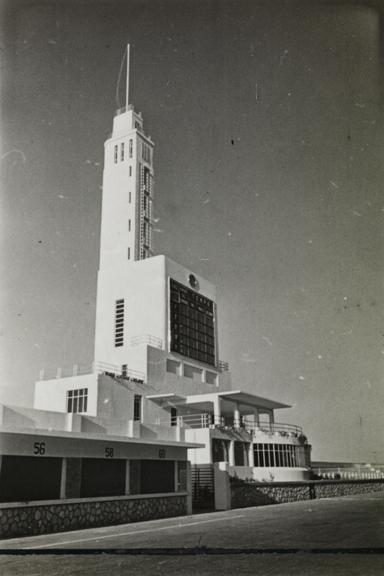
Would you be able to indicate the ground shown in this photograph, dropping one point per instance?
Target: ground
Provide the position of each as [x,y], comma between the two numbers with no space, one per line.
[341,536]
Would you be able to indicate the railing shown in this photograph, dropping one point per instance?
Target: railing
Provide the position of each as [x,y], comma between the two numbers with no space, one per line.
[206,420]
[223,366]
[273,428]
[147,339]
[94,368]
[353,472]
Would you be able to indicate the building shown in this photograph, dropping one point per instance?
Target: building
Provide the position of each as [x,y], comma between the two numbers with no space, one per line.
[157,393]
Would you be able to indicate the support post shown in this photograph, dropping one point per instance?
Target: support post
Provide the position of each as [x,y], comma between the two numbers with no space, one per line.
[251,456]
[236,416]
[231,453]
[127,478]
[176,471]
[189,488]
[217,410]
[63,479]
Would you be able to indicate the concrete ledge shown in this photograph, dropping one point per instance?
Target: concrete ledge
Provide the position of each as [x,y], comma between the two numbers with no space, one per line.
[58,502]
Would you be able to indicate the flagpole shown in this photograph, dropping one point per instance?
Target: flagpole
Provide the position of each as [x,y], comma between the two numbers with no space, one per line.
[127,85]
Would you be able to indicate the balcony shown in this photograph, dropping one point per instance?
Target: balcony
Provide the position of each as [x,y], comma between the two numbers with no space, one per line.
[94,368]
[207,420]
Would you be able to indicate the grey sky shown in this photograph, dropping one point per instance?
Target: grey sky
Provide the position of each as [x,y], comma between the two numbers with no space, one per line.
[267,120]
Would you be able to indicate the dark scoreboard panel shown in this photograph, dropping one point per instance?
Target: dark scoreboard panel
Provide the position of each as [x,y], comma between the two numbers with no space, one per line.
[192,319]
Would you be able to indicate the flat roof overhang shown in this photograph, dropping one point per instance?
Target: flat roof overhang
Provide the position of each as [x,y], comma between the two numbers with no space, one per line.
[22,433]
[169,398]
[252,400]
[244,400]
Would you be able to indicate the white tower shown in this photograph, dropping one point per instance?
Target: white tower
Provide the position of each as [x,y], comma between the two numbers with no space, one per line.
[126,217]
[143,298]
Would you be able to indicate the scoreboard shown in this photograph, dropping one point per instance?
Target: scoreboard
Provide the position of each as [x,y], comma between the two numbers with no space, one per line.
[192,321]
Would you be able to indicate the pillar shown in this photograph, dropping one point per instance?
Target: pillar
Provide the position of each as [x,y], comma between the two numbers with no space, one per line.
[231,453]
[251,456]
[127,478]
[176,473]
[63,478]
[70,481]
[189,488]
[236,416]
[222,486]
[217,410]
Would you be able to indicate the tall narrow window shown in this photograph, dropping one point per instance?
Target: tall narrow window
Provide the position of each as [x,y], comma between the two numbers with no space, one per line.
[116,154]
[129,225]
[124,370]
[129,253]
[122,152]
[77,400]
[130,170]
[173,416]
[137,408]
[119,323]
[130,197]
[130,148]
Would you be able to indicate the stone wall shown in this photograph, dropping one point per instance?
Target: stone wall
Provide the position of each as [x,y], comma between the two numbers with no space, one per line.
[58,516]
[245,494]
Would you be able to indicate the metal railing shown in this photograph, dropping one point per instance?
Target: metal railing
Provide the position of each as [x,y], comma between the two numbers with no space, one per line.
[273,428]
[206,420]
[147,339]
[94,368]
[353,472]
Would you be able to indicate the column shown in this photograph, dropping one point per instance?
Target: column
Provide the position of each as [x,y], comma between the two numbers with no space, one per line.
[251,456]
[236,416]
[189,488]
[231,453]
[63,478]
[127,478]
[176,482]
[217,410]
[256,417]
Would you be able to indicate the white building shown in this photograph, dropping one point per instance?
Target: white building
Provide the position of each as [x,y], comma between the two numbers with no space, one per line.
[157,378]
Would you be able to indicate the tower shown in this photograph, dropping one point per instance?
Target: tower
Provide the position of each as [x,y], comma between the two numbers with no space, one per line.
[142,298]
[126,217]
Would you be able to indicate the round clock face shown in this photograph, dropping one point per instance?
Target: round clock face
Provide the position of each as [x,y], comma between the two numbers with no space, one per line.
[193,281]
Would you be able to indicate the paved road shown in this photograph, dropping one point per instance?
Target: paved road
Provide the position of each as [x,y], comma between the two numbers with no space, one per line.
[341,536]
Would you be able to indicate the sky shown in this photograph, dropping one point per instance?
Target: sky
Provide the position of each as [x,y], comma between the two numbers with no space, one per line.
[267,122]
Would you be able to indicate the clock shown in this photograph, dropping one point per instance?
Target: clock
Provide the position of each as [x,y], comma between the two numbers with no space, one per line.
[194,283]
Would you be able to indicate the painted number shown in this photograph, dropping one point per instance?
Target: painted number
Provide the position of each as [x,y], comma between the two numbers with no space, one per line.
[109,452]
[39,448]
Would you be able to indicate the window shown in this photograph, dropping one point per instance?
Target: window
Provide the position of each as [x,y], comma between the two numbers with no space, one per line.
[122,152]
[131,148]
[137,408]
[124,370]
[116,154]
[145,152]
[129,253]
[77,400]
[173,416]
[130,197]
[130,170]
[129,225]
[119,323]
[278,455]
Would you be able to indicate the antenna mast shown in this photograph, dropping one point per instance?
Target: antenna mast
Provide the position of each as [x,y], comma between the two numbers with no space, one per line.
[127,85]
